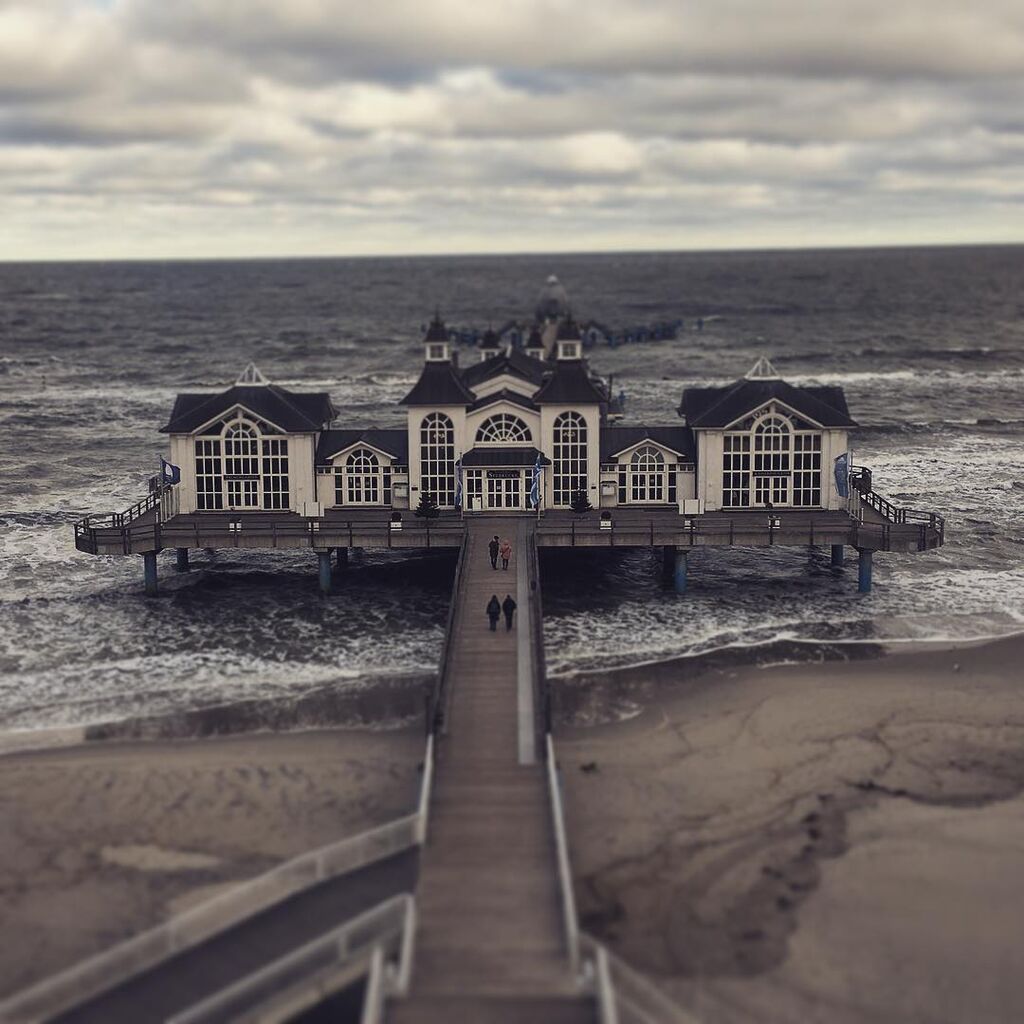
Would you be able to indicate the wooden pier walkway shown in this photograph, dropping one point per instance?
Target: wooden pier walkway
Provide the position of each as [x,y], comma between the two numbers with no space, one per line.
[491,943]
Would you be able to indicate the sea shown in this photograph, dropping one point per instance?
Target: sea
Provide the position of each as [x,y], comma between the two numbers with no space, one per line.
[928,344]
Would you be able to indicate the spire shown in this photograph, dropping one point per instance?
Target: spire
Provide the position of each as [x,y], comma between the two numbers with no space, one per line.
[251,375]
[489,344]
[762,370]
[435,341]
[437,330]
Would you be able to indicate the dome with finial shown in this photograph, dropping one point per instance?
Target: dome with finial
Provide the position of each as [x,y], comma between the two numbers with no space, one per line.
[552,301]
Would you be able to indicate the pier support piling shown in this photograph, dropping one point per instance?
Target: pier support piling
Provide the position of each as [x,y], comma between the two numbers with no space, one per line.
[668,561]
[149,572]
[837,554]
[182,560]
[342,557]
[864,567]
[680,573]
[324,561]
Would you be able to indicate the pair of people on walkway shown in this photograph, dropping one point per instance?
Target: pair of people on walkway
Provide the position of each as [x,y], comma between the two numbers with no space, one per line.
[502,548]
[494,610]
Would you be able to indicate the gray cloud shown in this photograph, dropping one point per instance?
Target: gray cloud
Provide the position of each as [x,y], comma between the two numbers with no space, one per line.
[445,123]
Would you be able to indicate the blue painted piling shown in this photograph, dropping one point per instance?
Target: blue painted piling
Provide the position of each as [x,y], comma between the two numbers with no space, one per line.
[679,576]
[864,566]
[149,572]
[837,554]
[324,559]
[342,557]
[182,560]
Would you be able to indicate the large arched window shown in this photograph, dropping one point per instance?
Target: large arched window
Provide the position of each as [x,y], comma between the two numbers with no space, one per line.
[242,469]
[647,475]
[437,458]
[772,460]
[772,442]
[362,478]
[569,462]
[503,429]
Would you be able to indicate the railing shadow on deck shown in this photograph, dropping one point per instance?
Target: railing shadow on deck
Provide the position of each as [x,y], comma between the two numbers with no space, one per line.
[440,695]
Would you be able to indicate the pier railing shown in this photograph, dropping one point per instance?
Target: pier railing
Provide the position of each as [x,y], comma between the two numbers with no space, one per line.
[541,687]
[437,699]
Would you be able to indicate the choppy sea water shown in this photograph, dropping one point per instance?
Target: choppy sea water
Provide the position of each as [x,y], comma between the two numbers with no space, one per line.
[929,345]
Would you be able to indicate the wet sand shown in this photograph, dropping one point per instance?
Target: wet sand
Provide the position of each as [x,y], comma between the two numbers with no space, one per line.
[839,843]
[101,840]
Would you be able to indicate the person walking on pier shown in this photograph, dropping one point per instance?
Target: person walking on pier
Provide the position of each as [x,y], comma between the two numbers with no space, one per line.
[508,606]
[506,552]
[492,549]
[493,611]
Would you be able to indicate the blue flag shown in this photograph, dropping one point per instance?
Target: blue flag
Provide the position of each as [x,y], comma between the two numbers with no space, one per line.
[535,484]
[458,482]
[842,468]
[169,474]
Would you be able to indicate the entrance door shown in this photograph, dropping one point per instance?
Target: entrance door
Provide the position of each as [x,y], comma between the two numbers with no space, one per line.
[243,492]
[504,492]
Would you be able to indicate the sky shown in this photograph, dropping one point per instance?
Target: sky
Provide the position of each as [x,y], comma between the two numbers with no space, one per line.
[227,128]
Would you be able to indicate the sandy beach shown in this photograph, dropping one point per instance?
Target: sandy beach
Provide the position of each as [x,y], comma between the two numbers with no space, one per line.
[101,840]
[839,842]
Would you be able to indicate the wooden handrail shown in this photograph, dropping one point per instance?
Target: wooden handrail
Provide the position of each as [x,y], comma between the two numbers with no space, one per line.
[436,704]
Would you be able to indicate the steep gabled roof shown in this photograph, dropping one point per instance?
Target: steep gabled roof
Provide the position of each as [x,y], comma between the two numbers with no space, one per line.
[291,411]
[512,362]
[615,440]
[570,384]
[718,407]
[504,395]
[394,442]
[439,384]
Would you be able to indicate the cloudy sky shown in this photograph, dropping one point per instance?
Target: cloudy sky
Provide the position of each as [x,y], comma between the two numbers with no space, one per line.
[139,128]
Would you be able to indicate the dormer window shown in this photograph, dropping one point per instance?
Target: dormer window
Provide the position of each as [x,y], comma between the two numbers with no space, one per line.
[568,350]
[437,352]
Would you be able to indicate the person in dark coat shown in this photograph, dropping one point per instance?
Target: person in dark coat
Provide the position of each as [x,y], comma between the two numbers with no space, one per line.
[493,611]
[492,549]
[508,606]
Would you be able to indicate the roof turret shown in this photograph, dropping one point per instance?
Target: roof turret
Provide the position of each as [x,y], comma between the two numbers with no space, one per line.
[437,330]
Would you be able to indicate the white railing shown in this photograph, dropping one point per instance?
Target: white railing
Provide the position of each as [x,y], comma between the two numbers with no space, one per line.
[572,935]
[637,999]
[375,929]
[373,1000]
[106,970]
[607,1008]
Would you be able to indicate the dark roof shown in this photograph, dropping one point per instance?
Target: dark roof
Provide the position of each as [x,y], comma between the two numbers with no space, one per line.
[617,439]
[290,411]
[512,362]
[504,395]
[439,384]
[500,457]
[570,384]
[535,341]
[567,330]
[490,341]
[718,407]
[394,442]
[437,330]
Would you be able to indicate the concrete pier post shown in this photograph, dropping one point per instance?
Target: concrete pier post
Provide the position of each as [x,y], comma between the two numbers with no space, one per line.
[837,554]
[149,572]
[864,567]
[182,560]
[679,576]
[324,560]
[342,557]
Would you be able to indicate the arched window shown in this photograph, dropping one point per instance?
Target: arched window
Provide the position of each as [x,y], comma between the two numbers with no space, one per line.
[569,462]
[772,441]
[503,429]
[362,476]
[242,469]
[437,458]
[647,475]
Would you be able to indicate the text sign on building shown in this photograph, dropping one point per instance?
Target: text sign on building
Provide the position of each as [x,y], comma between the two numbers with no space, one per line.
[504,474]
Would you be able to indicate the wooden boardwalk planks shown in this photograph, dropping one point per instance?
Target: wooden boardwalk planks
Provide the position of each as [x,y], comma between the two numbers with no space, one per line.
[490,926]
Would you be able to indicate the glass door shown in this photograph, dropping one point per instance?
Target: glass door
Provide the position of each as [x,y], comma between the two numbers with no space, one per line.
[512,492]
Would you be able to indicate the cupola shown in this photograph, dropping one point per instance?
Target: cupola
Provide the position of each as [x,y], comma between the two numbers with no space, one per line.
[489,345]
[568,343]
[437,348]
[535,344]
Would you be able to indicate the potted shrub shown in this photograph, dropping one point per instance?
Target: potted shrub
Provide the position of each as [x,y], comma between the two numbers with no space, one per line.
[606,520]
[396,521]
[580,503]
[427,508]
